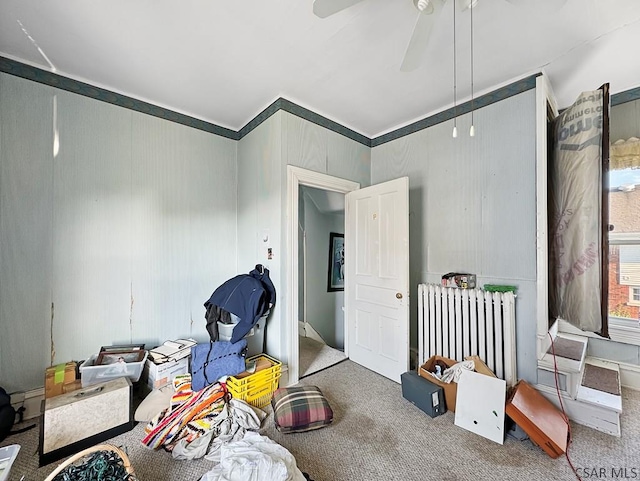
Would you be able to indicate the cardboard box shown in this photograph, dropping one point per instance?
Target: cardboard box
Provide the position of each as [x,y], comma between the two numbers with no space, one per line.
[450,389]
[461,280]
[480,366]
[158,375]
[57,376]
[71,386]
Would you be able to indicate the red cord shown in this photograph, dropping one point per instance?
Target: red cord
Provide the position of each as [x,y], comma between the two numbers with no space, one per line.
[564,414]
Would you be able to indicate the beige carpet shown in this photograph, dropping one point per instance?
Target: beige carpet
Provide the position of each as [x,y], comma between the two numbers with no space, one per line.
[378,435]
[315,356]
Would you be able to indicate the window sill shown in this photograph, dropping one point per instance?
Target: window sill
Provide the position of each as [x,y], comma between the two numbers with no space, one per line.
[626,331]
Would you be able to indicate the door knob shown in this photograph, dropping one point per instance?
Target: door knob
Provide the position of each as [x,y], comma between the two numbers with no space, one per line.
[398,295]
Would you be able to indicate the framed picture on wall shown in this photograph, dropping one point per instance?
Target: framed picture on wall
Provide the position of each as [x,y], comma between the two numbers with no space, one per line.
[336,262]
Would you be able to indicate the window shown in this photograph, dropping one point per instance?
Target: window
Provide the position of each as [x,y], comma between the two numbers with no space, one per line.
[634,296]
[624,238]
[624,276]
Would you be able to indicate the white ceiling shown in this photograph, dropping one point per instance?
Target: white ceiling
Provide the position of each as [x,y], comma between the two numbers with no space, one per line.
[225,61]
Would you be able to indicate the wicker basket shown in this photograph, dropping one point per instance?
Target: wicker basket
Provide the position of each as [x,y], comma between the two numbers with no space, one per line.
[100,447]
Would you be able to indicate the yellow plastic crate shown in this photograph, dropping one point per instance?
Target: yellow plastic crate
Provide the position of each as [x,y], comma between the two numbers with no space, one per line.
[257,389]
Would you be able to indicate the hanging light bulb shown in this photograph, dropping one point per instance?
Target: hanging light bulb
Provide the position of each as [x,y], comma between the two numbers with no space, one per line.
[56,134]
[455,81]
[472,130]
[467,4]
[425,6]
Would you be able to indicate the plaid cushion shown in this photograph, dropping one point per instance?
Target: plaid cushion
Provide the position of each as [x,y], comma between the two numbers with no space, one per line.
[300,408]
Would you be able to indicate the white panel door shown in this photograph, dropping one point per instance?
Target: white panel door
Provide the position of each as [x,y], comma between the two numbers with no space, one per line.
[377,277]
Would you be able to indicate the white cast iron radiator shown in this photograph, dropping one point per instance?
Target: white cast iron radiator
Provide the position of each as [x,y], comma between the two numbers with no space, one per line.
[456,323]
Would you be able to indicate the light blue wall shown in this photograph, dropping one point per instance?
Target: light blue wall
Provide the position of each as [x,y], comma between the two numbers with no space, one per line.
[121,237]
[125,234]
[472,205]
[319,149]
[263,155]
[261,194]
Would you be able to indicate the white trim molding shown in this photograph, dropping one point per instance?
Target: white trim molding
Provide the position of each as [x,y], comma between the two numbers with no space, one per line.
[30,400]
[545,104]
[630,376]
[296,177]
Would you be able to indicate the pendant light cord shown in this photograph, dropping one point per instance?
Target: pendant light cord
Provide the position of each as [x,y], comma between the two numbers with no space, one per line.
[455,75]
[472,7]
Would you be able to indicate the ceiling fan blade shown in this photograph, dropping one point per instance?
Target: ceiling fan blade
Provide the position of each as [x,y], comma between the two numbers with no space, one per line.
[420,37]
[545,6]
[324,8]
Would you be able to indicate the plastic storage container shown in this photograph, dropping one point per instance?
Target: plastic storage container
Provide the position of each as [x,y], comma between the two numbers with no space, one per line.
[225,331]
[257,389]
[255,337]
[8,455]
[91,374]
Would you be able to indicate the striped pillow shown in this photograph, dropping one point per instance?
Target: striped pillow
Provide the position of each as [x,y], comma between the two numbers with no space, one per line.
[300,408]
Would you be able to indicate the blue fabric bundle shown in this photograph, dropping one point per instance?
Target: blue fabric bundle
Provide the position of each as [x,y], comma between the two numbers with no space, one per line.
[248,296]
[213,360]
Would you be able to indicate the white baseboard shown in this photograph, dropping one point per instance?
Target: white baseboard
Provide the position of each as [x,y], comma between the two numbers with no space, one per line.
[31,400]
[630,376]
[309,331]
[284,376]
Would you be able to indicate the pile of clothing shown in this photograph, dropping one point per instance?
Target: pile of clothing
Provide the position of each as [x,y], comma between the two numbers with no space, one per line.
[210,423]
[196,423]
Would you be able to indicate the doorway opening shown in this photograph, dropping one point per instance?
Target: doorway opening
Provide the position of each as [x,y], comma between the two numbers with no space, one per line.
[297,178]
[321,225]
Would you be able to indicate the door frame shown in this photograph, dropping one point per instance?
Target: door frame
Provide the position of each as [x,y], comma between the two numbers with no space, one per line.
[297,176]
[545,102]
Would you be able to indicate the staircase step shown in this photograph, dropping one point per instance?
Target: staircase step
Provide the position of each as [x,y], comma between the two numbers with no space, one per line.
[591,415]
[567,353]
[600,385]
[568,382]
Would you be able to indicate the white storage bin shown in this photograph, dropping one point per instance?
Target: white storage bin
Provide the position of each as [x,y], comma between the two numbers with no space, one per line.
[7,457]
[91,374]
[255,337]
[157,375]
[225,331]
